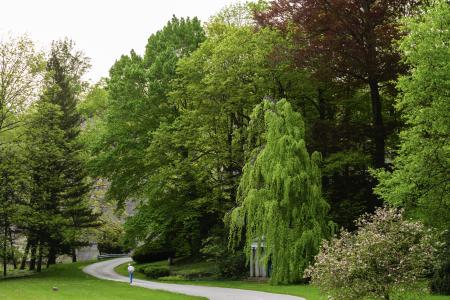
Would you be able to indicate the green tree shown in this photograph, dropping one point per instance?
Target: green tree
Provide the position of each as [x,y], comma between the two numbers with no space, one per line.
[64,85]
[137,103]
[58,213]
[20,79]
[44,147]
[197,158]
[280,199]
[14,190]
[420,181]
[354,62]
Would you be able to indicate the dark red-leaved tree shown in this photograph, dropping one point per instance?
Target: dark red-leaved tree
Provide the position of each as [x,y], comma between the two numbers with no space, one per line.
[354,39]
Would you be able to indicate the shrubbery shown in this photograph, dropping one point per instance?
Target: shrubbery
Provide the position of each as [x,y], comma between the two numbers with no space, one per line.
[232,266]
[155,272]
[385,254]
[440,282]
[151,253]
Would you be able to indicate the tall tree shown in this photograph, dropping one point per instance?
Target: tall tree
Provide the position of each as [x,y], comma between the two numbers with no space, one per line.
[420,181]
[197,159]
[280,200]
[137,103]
[45,144]
[20,81]
[64,85]
[353,39]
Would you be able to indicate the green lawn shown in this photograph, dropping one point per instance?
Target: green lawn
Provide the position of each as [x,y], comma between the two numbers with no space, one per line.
[73,284]
[305,291]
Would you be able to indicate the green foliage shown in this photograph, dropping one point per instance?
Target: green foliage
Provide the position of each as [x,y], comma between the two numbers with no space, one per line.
[155,272]
[56,215]
[137,91]
[232,266]
[45,146]
[440,282]
[386,255]
[14,190]
[280,200]
[111,238]
[20,76]
[420,180]
[151,252]
[197,158]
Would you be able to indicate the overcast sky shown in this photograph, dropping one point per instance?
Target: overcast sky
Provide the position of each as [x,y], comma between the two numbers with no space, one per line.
[103,29]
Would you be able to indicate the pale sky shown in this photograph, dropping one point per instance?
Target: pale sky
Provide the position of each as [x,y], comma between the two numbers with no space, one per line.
[102,29]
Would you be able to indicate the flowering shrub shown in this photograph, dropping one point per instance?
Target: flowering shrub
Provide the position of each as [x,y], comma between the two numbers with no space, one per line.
[385,254]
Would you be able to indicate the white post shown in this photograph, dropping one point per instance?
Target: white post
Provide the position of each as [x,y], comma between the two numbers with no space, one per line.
[252,264]
[256,263]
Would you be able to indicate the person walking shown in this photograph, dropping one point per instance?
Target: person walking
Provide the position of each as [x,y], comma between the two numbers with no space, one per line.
[130,272]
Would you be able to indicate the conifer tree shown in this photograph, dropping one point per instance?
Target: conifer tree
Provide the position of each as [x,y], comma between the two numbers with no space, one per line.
[280,200]
[65,68]
[42,218]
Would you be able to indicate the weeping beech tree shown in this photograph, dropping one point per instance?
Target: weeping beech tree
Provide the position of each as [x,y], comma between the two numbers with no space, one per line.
[280,202]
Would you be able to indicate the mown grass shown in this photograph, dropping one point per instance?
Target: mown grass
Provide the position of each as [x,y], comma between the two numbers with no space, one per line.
[73,284]
[306,291]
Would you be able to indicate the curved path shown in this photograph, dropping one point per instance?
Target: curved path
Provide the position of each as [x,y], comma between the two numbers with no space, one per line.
[105,270]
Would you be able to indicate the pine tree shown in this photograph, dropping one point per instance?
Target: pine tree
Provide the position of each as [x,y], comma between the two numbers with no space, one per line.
[42,218]
[280,200]
[65,68]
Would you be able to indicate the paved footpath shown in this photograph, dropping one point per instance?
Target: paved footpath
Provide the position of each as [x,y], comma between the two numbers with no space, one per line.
[105,270]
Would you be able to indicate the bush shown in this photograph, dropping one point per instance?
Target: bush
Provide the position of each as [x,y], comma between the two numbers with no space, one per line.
[232,266]
[172,278]
[156,272]
[440,283]
[151,253]
[385,255]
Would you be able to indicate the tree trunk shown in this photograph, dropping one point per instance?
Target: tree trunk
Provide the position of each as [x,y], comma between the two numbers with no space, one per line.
[13,256]
[33,257]
[51,259]
[5,255]
[74,255]
[378,126]
[39,261]
[25,256]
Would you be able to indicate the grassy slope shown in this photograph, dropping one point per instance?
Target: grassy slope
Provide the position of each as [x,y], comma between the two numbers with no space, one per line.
[306,291]
[73,284]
